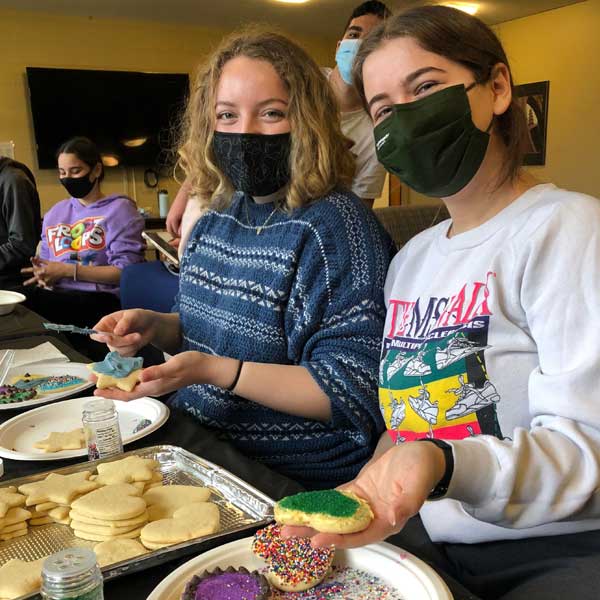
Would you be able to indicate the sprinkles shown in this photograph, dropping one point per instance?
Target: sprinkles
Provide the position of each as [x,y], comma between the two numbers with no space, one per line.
[327,502]
[293,560]
[344,583]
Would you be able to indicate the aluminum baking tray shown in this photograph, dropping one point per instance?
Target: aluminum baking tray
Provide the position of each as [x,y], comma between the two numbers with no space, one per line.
[242,507]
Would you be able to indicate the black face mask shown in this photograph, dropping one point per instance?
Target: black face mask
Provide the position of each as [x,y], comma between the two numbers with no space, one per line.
[255,163]
[78,187]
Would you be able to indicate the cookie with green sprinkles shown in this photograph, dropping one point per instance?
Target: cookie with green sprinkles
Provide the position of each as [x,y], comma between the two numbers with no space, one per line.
[328,511]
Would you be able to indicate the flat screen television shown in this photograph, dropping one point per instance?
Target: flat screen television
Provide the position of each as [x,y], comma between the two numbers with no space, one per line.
[131,116]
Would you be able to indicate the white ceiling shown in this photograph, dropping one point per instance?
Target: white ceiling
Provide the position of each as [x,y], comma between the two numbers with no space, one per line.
[317,17]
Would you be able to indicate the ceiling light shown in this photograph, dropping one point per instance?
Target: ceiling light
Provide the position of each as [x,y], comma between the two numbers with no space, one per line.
[468,7]
[292,1]
[109,160]
[135,142]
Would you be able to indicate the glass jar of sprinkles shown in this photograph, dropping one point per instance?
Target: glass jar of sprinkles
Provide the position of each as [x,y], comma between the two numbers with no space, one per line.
[72,574]
[101,426]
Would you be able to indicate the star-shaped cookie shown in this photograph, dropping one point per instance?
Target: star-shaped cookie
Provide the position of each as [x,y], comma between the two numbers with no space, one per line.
[62,440]
[61,489]
[123,383]
[9,497]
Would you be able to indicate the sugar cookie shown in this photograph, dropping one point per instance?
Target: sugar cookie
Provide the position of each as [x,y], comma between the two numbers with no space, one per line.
[328,511]
[16,515]
[135,521]
[111,503]
[40,521]
[99,537]
[163,501]
[9,498]
[62,440]
[61,489]
[294,565]
[19,578]
[188,522]
[102,529]
[127,470]
[117,371]
[13,528]
[116,550]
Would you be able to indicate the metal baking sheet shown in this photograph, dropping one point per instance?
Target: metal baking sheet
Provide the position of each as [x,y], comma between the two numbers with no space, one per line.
[242,507]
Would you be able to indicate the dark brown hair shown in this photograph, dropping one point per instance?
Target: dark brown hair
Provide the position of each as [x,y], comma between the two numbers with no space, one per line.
[371,7]
[466,40]
[85,150]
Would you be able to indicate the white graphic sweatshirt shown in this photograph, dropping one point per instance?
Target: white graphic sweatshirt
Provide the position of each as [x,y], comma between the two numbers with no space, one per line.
[492,342]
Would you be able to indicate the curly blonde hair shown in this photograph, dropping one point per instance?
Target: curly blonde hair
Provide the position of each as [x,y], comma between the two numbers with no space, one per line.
[320,159]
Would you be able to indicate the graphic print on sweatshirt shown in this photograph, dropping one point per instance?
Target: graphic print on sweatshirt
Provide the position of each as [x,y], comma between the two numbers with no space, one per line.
[82,236]
[432,380]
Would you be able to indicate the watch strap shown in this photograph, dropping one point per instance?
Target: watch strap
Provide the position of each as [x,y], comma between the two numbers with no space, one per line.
[441,489]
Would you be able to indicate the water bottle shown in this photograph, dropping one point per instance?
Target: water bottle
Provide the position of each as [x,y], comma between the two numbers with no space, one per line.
[163,203]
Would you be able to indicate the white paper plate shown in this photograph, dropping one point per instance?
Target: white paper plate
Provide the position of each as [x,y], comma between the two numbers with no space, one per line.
[17,435]
[47,369]
[411,577]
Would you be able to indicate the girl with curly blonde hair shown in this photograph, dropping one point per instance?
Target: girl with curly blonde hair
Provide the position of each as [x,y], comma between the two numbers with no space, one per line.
[280,309]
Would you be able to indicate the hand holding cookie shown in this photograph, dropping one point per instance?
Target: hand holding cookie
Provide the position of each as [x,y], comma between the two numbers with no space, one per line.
[395,486]
[179,371]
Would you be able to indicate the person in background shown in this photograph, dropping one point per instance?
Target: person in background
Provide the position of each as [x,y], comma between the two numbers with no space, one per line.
[369,175]
[356,125]
[87,240]
[19,221]
[277,335]
[490,370]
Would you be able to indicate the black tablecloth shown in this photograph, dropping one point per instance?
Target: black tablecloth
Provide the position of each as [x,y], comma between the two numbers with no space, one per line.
[21,322]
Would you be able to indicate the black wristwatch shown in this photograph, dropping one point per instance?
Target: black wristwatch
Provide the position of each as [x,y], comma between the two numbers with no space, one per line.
[440,490]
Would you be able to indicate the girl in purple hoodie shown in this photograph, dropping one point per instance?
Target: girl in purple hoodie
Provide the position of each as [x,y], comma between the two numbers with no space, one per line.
[87,240]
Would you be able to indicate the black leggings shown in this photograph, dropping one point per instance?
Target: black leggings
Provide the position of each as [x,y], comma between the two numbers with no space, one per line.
[83,309]
[542,568]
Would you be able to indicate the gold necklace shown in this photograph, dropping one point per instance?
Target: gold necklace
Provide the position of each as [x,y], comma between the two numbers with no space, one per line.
[260,227]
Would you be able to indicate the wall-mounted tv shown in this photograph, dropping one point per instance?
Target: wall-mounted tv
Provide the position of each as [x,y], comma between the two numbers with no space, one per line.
[130,116]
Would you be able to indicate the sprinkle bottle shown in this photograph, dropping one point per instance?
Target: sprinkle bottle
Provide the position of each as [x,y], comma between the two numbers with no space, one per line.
[72,574]
[101,426]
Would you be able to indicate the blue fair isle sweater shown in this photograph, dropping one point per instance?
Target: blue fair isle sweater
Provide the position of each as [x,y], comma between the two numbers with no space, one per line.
[307,291]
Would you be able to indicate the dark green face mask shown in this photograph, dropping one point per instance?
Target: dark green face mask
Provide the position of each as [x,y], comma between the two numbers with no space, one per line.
[432,144]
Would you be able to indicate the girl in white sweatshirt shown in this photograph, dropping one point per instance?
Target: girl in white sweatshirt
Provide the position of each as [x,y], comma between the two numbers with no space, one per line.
[491,350]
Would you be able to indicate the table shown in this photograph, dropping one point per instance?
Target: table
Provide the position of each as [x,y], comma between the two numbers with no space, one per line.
[180,430]
[21,322]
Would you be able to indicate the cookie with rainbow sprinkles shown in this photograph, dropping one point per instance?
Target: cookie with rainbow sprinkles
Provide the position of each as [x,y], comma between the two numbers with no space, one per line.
[327,511]
[293,564]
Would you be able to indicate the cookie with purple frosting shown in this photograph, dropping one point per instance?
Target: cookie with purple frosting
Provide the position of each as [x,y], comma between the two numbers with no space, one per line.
[230,584]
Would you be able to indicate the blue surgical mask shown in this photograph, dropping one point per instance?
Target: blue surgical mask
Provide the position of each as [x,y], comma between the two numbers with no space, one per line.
[344,57]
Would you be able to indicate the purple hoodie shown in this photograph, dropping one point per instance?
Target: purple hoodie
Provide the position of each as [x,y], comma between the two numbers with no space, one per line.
[108,232]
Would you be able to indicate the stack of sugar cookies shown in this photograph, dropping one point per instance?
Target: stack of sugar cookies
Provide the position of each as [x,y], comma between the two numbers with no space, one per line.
[113,511]
[13,518]
[49,500]
[178,513]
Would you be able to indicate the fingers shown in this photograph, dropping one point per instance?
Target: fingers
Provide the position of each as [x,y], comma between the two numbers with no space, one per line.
[116,394]
[154,373]
[30,281]
[26,270]
[289,531]
[153,388]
